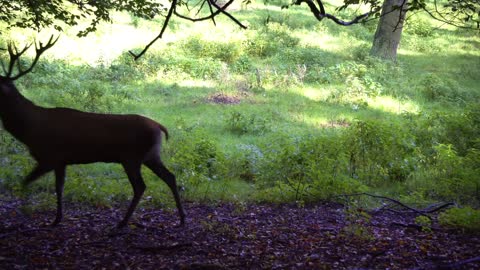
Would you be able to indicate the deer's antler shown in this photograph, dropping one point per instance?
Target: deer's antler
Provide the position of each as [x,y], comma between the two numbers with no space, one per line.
[15,55]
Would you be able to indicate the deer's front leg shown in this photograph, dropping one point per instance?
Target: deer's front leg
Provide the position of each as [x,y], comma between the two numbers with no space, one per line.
[59,183]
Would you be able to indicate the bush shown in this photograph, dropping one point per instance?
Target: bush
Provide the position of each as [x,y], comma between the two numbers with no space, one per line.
[419,26]
[307,168]
[466,219]
[378,152]
[241,123]
[227,52]
[261,44]
[195,158]
[434,88]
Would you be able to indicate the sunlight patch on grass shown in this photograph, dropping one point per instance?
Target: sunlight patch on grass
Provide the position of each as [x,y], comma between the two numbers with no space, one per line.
[317,93]
[196,83]
[393,105]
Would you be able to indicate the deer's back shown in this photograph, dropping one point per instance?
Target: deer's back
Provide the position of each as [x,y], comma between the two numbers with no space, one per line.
[81,137]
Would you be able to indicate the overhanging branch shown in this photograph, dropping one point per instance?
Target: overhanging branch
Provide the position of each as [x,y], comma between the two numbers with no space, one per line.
[320,14]
[173,11]
[164,27]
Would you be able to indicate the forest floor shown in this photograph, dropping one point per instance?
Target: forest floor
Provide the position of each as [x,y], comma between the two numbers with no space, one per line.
[229,236]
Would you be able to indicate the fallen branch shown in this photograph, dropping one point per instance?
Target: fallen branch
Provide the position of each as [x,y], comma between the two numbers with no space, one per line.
[161,248]
[424,212]
[459,264]
[409,225]
[17,230]
[437,208]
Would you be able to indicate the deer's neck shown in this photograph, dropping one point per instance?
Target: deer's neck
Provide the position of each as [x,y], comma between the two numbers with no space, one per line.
[16,113]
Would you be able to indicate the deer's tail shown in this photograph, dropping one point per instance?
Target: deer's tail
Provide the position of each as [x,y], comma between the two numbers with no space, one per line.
[164,130]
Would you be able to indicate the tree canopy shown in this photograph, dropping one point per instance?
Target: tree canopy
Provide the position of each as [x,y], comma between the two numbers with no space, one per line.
[42,14]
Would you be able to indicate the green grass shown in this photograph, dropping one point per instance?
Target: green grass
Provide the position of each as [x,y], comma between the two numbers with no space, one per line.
[314,115]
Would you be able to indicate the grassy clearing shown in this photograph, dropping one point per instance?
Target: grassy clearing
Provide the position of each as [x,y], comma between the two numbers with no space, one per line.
[288,110]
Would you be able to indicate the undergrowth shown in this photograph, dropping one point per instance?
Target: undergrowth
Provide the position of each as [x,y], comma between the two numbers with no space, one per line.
[314,118]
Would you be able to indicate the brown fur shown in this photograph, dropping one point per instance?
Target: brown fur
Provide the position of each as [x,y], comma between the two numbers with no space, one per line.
[57,137]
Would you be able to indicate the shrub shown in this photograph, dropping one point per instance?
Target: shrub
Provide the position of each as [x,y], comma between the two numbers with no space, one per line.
[419,26]
[245,162]
[227,52]
[261,45]
[307,168]
[467,219]
[435,88]
[241,123]
[195,158]
[379,152]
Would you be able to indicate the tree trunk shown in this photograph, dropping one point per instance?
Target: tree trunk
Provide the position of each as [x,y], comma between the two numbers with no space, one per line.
[389,29]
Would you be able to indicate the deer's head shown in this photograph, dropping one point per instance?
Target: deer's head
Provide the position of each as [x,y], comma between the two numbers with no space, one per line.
[8,77]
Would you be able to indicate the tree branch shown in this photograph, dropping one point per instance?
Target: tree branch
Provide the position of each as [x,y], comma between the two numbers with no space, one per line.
[164,27]
[441,18]
[320,14]
[211,16]
[173,11]
[222,10]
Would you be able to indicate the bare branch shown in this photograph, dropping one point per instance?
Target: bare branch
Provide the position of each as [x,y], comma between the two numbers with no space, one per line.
[320,14]
[211,10]
[442,18]
[211,16]
[222,10]
[164,27]
[401,15]
[173,11]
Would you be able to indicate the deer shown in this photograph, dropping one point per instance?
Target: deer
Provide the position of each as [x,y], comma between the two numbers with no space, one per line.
[59,137]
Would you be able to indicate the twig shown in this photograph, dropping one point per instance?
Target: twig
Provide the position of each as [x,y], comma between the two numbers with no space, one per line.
[160,248]
[458,264]
[143,226]
[24,231]
[409,225]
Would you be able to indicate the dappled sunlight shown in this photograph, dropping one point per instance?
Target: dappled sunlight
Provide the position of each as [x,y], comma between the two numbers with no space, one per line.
[192,83]
[290,93]
[96,50]
[317,93]
[325,122]
[393,105]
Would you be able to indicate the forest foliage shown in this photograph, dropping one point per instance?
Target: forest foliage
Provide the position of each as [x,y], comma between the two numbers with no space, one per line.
[305,118]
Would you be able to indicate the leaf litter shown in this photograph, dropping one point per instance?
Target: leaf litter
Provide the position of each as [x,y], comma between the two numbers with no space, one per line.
[228,236]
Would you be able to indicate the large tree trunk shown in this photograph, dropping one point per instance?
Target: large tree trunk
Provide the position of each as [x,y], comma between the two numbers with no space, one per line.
[389,29]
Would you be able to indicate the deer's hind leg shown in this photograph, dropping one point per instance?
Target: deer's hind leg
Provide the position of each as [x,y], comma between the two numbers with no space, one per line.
[36,173]
[156,165]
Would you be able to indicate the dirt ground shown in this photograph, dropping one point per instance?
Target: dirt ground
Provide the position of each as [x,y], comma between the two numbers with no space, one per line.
[229,236]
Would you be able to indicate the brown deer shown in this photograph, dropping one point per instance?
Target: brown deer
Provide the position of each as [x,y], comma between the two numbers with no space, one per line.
[57,137]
